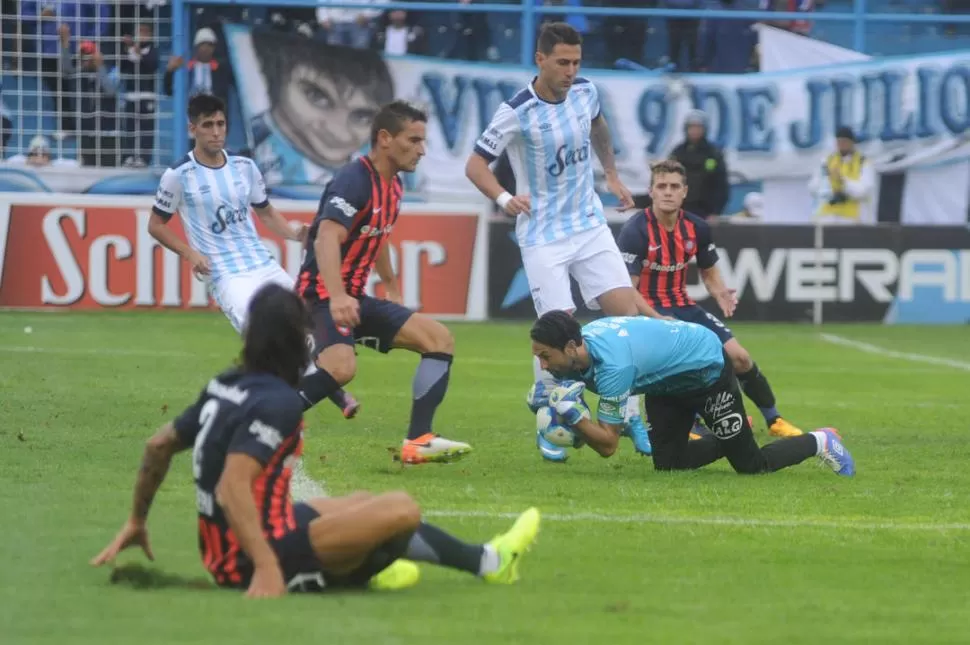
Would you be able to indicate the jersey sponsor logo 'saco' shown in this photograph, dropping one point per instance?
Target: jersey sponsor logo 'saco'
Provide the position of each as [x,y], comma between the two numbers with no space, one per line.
[566,157]
[227,215]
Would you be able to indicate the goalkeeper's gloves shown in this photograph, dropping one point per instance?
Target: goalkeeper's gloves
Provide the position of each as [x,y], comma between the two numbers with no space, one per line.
[567,399]
[538,396]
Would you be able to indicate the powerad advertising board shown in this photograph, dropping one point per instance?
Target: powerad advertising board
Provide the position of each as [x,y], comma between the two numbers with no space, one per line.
[891,274]
[80,252]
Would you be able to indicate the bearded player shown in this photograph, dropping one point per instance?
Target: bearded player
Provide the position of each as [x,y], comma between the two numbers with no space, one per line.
[657,244]
[550,130]
[348,238]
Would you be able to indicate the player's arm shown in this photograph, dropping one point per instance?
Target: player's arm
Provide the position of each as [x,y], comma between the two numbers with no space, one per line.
[254,444]
[615,385]
[602,141]
[156,459]
[710,275]
[346,196]
[385,270]
[503,128]
[234,493]
[267,213]
[168,198]
[169,440]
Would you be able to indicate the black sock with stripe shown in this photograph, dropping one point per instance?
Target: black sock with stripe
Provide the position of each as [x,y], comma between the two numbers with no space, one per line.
[428,389]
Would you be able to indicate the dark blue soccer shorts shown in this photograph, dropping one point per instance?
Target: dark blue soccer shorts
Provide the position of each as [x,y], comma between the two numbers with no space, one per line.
[302,570]
[380,321]
[699,315]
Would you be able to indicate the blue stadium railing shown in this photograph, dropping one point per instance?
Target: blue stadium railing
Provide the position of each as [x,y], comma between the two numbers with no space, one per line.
[860,17]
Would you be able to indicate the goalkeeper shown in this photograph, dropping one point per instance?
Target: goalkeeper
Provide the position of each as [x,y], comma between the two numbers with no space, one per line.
[681,370]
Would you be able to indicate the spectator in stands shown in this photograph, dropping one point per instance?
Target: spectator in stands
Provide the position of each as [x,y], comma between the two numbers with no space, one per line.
[399,37]
[6,126]
[472,35]
[98,107]
[43,27]
[39,155]
[206,73]
[138,70]
[727,46]
[803,27]
[707,176]
[349,27]
[682,36]
[626,36]
[843,184]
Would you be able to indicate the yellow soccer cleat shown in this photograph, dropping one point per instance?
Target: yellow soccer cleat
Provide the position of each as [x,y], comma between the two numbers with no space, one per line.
[781,428]
[512,545]
[401,574]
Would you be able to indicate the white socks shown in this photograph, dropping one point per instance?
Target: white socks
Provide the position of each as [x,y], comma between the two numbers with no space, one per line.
[819,442]
[490,560]
[632,407]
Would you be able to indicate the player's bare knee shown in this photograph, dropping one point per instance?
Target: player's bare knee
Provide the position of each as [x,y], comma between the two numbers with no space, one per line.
[340,362]
[404,514]
[438,339]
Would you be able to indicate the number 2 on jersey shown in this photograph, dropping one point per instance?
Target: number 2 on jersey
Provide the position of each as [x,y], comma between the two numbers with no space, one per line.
[207,417]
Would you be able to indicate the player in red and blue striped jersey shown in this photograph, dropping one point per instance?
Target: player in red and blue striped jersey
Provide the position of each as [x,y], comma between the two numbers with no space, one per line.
[348,238]
[245,432]
[657,245]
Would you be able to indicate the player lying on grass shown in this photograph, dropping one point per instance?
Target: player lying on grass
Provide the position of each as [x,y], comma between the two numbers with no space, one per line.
[245,430]
[657,245]
[682,371]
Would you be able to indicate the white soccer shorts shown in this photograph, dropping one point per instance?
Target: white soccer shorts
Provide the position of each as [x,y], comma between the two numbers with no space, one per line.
[234,292]
[591,258]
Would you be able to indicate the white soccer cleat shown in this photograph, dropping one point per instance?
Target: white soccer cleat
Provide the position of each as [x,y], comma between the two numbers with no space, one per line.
[430,447]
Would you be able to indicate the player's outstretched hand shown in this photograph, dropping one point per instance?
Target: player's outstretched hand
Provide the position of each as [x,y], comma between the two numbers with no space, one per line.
[131,534]
[621,192]
[345,311]
[727,300]
[518,204]
[267,582]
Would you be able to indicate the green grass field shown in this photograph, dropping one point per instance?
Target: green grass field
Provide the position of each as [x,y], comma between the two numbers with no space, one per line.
[626,555]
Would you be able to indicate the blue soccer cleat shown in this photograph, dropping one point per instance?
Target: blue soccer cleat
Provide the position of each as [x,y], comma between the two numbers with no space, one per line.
[637,430]
[549,451]
[834,454]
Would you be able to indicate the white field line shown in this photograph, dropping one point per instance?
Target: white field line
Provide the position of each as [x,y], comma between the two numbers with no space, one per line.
[711,521]
[889,353]
[523,362]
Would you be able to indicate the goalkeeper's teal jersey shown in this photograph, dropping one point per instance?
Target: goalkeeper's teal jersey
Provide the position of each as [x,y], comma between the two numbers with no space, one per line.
[642,355]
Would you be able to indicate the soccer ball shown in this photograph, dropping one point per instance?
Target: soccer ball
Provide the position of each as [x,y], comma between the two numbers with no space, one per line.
[553,430]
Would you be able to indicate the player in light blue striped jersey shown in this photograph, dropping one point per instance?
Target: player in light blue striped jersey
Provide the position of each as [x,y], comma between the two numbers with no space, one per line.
[550,131]
[213,191]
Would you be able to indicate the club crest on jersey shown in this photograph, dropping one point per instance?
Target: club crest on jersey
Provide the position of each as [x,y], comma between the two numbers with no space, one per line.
[689,245]
[343,331]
